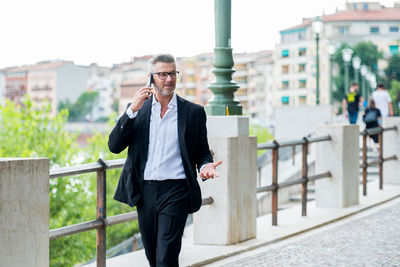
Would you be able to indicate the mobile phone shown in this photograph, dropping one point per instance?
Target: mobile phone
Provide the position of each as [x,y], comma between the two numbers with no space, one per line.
[149,82]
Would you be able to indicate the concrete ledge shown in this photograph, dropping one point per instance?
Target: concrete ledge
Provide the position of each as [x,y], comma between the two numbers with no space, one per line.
[290,223]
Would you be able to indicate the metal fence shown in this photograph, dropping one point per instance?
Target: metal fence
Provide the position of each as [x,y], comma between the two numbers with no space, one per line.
[365,164]
[102,221]
[303,180]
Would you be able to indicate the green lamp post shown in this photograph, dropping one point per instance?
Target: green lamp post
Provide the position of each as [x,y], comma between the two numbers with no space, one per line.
[331,51]
[356,65]
[363,71]
[317,25]
[224,87]
[346,54]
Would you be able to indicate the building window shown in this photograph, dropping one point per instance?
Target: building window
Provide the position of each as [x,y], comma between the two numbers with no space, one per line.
[285,100]
[302,100]
[302,83]
[394,29]
[285,69]
[343,30]
[285,53]
[302,51]
[302,67]
[394,49]
[365,6]
[285,84]
[374,30]
[301,35]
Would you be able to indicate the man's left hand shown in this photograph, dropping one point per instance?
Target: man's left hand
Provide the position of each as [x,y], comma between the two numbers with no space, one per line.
[209,170]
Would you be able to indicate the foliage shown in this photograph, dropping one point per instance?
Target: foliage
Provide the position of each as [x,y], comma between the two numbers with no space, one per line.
[82,108]
[393,70]
[262,133]
[369,55]
[395,95]
[30,131]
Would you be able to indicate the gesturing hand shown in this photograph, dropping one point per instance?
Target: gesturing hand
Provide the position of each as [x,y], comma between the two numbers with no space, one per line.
[209,170]
[140,97]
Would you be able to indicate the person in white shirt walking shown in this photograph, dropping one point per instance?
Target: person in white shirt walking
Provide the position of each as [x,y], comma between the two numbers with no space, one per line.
[166,137]
[383,101]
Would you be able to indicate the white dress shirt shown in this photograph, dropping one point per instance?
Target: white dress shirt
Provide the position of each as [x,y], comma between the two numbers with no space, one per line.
[164,159]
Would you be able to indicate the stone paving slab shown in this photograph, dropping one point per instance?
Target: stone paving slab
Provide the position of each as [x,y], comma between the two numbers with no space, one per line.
[372,240]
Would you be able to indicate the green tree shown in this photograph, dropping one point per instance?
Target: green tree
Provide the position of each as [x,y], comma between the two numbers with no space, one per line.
[29,131]
[393,70]
[82,107]
[369,55]
[395,95]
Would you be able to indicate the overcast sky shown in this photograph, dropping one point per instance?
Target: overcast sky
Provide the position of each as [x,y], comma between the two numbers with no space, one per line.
[108,32]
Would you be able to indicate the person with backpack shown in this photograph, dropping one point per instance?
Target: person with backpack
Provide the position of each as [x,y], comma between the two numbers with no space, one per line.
[371,117]
[351,104]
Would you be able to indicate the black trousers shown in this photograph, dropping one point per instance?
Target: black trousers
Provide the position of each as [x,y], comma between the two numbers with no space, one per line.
[162,213]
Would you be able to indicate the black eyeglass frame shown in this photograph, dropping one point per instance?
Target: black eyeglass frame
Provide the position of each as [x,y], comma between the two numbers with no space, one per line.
[173,74]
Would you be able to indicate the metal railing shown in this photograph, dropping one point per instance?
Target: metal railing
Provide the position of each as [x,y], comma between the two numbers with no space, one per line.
[365,164]
[303,180]
[102,221]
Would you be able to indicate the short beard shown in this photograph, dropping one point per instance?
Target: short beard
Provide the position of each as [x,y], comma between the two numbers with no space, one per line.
[163,92]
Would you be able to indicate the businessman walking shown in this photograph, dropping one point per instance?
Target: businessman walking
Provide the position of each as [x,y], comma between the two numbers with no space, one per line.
[166,137]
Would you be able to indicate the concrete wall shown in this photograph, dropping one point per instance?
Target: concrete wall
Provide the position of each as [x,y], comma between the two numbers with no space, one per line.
[24,212]
[340,156]
[295,122]
[233,215]
[391,147]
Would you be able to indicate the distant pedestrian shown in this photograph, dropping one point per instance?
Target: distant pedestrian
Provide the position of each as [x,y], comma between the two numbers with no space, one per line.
[351,104]
[371,117]
[383,101]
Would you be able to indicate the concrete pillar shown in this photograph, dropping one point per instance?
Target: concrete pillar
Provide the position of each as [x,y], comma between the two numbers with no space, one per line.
[391,147]
[24,212]
[233,215]
[340,156]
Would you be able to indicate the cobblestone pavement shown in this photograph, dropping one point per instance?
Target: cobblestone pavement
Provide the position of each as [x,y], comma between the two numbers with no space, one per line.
[372,240]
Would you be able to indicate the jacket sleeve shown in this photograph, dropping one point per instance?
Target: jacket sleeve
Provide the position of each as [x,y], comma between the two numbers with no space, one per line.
[203,148]
[121,134]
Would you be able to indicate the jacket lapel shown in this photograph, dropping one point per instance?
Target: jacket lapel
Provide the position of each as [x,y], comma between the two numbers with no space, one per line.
[182,115]
[145,123]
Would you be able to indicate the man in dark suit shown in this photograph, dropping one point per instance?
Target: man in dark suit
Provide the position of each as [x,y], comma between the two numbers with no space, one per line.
[166,137]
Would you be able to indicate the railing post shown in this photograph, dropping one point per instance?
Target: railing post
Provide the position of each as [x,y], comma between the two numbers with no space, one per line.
[275,157]
[24,212]
[341,157]
[380,141]
[233,213]
[364,163]
[391,147]
[304,175]
[101,215]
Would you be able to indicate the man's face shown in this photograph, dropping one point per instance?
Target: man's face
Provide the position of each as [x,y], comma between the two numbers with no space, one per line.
[164,87]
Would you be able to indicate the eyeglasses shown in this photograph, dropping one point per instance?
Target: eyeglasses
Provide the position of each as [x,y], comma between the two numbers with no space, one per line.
[164,75]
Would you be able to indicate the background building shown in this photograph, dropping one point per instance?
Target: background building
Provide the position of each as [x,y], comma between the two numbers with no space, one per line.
[295,55]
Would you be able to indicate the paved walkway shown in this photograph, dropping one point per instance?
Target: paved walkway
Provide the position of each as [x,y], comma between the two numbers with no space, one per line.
[367,240]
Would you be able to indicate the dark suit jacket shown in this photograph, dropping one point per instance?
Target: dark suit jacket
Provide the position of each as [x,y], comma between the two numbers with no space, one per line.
[134,134]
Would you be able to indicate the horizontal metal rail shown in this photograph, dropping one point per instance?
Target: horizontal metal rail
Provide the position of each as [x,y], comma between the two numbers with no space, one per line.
[296,181]
[86,168]
[275,144]
[377,130]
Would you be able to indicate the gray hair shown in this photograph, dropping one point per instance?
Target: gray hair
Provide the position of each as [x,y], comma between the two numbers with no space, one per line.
[165,58]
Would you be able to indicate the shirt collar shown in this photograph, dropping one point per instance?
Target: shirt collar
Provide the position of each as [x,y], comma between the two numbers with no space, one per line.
[172,103]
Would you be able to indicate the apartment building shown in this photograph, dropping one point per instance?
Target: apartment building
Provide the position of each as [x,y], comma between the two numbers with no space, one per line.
[100,82]
[295,55]
[126,78]
[195,77]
